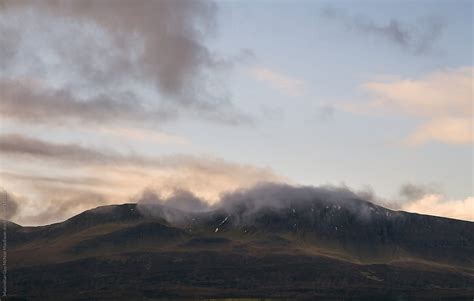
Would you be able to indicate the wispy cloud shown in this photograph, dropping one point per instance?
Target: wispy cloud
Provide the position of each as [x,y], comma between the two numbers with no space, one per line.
[146,135]
[34,103]
[418,37]
[440,101]
[120,175]
[450,130]
[430,200]
[18,145]
[279,81]
[438,205]
[66,180]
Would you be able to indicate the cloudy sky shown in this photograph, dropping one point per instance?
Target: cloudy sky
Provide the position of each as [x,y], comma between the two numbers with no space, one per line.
[102,100]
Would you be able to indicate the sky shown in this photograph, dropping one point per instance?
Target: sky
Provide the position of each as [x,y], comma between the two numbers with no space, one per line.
[103,100]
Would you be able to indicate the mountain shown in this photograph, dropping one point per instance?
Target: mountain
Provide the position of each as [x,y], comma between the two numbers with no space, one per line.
[330,249]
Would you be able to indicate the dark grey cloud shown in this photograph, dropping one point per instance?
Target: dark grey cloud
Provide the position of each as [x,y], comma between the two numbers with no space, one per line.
[325,112]
[180,199]
[35,104]
[412,192]
[86,181]
[173,33]
[418,37]
[279,195]
[74,154]
[245,203]
[174,52]
[97,59]
[12,144]
[407,194]
[71,153]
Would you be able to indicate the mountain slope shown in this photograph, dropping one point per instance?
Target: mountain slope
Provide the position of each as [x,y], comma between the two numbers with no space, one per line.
[332,249]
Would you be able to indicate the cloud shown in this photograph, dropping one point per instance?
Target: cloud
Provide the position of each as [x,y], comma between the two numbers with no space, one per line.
[180,199]
[438,205]
[65,180]
[182,182]
[279,81]
[144,135]
[441,101]
[324,112]
[13,144]
[438,94]
[33,103]
[245,202]
[171,35]
[74,154]
[69,171]
[58,208]
[449,130]
[418,37]
[148,61]
[428,199]
[281,195]
[413,191]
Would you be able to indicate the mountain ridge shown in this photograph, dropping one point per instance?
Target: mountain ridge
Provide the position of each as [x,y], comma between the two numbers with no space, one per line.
[371,246]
